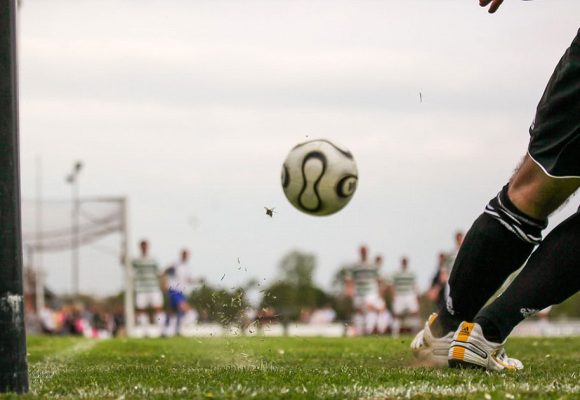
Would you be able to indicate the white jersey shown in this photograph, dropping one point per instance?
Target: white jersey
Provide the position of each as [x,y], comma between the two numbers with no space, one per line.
[179,277]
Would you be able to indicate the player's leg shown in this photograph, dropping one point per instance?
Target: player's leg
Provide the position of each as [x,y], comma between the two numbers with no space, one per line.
[371,320]
[157,316]
[503,237]
[414,311]
[500,241]
[398,311]
[173,299]
[358,318]
[181,309]
[551,275]
[141,309]
[383,322]
[168,312]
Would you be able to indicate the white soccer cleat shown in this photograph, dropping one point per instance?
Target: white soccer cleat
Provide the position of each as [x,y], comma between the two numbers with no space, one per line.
[470,349]
[430,349]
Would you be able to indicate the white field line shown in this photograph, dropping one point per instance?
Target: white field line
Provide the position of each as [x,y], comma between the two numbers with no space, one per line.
[41,373]
[459,390]
[359,391]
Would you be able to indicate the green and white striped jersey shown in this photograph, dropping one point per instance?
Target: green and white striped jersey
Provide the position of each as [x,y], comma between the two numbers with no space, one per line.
[145,275]
[365,281]
[404,282]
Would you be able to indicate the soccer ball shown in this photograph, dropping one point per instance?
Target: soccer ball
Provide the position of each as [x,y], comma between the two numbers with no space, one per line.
[319,177]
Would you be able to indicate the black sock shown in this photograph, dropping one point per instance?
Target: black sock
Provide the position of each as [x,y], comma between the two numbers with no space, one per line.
[490,330]
[497,244]
[551,275]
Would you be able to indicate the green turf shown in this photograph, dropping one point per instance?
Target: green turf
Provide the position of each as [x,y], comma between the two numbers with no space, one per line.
[341,368]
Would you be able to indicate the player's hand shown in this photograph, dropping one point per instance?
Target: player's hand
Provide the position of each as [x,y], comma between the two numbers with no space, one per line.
[494,5]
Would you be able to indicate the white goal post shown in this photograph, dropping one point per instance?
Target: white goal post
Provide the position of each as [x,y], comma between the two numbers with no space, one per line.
[47,226]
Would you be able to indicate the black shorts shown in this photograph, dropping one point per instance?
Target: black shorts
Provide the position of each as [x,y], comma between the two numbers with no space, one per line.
[555,133]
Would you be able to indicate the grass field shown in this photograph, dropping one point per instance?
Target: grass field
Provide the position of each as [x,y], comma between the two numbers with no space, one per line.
[339,368]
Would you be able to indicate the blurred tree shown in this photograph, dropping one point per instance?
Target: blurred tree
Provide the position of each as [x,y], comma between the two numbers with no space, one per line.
[339,277]
[297,268]
[295,291]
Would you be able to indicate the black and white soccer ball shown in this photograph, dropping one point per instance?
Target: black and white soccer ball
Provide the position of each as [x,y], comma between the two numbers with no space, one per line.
[319,177]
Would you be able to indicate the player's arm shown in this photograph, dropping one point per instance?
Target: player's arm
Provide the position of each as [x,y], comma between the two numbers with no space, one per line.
[494,5]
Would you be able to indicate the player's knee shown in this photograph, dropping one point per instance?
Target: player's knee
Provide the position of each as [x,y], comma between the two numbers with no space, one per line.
[525,227]
[535,193]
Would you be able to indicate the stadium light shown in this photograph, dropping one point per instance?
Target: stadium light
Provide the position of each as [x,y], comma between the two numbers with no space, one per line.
[73,180]
[13,366]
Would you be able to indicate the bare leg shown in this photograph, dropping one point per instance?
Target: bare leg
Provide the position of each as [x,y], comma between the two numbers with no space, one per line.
[536,194]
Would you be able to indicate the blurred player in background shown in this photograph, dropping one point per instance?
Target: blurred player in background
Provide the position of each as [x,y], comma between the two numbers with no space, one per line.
[362,285]
[501,240]
[405,296]
[452,255]
[148,296]
[437,293]
[178,281]
[377,317]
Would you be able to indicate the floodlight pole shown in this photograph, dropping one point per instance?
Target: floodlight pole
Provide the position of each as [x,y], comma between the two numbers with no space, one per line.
[73,179]
[13,365]
[38,273]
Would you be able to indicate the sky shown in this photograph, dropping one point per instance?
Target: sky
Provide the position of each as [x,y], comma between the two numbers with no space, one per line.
[190,108]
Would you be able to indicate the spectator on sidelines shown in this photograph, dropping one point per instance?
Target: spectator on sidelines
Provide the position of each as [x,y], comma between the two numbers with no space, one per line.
[405,299]
[321,316]
[47,321]
[148,296]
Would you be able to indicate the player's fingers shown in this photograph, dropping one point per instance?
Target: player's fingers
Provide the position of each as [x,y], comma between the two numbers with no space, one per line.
[484,3]
[494,6]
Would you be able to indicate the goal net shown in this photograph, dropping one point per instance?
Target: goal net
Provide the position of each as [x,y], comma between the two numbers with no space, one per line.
[64,225]
[50,225]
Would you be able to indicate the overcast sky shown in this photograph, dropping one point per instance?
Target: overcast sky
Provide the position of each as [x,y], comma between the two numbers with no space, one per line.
[189,109]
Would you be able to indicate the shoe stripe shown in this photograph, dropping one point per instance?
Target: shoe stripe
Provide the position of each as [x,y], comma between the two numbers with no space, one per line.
[432,319]
[458,353]
[464,332]
[471,348]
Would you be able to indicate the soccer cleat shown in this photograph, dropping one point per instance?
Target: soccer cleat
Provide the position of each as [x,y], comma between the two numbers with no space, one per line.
[429,348]
[470,349]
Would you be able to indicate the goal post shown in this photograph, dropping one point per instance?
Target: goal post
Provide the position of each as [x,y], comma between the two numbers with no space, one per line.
[98,218]
[129,293]
[13,364]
